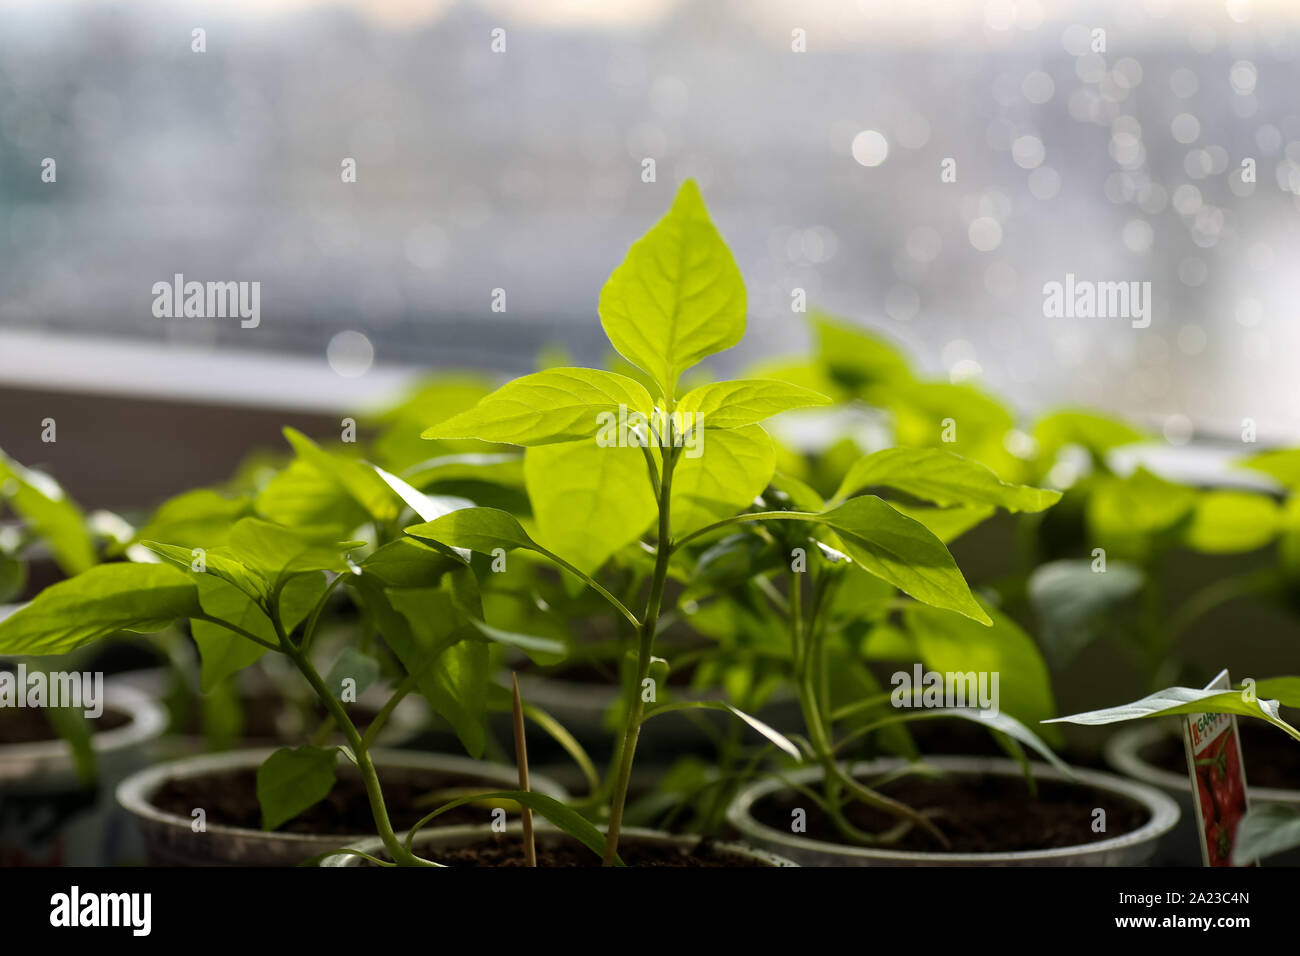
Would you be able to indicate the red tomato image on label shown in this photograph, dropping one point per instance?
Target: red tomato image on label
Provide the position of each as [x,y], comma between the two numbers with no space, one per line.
[1223,796]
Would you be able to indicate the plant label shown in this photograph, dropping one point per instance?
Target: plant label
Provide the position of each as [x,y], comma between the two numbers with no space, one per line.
[1218,778]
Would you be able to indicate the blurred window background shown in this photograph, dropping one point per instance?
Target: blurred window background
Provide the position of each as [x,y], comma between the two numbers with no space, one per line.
[521,171]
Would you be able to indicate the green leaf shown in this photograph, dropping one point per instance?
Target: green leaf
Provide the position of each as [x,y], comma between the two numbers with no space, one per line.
[477,529]
[97,603]
[901,551]
[856,357]
[946,524]
[948,643]
[1095,433]
[407,563]
[773,736]
[427,630]
[677,297]
[1001,722]
[745,402]
[353,476]
[73,727]
[222,652]
[40,501]
[559,405]
[961,418]
[1283,465]
[303,496]
[1186,700]
[942,477]
[1124,513]
[195,519]
[428,507]
[557,813]
[733,468]
[505,469]
[544,650]
[1077,605]
[588,501]
[290,781]
[217,563]
[276,552]
[1266,831]
[1233,522]
[362,669]
[13,576]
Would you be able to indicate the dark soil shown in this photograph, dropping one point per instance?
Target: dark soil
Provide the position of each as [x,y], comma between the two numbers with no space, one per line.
[506,850]
[978,814]
[263,714]
[230,798]
[1271,758]
[26,725]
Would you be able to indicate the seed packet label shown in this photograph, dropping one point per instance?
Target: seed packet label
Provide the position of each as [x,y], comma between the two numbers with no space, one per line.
[1218,778]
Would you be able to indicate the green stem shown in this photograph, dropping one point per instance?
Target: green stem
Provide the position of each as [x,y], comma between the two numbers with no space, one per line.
[360,750]
[810,669]
[592,583]
[645,648]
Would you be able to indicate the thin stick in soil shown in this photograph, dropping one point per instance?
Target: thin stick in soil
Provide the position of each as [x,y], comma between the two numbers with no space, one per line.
[521,759]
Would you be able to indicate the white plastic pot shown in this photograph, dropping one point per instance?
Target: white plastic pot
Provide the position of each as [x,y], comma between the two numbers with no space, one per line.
[1135,848]
[170,839]
[430,841]
[48,817]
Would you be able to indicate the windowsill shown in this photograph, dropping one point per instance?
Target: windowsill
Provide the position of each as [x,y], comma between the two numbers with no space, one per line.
[90,365]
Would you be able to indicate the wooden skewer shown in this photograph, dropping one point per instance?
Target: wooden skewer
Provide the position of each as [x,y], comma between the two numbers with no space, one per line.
[521,759]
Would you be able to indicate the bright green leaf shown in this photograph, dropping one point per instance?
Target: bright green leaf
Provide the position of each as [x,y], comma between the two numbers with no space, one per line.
[942,477]
[97,603]
[559,405]
[1282,465]
[1186,700]
[40,501]
[856,357]
[901,551]
[355,477]
[589,501]
[949,643]
[732,469]
[745,402]
[677,297]
[1232,522]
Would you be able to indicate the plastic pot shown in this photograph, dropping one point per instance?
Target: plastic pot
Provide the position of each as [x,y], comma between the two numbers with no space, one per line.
[48,817]
[1182,846]
[1135,848]
[430,841]
[170,839]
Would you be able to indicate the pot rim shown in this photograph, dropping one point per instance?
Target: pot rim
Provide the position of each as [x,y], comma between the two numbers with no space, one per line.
[148,721]
[1123,751]
[1164,811]
[135,793]
[471,831]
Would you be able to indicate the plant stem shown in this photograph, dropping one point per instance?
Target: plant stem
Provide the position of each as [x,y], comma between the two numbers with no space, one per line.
[360,750]
[645,648]
[521,761]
